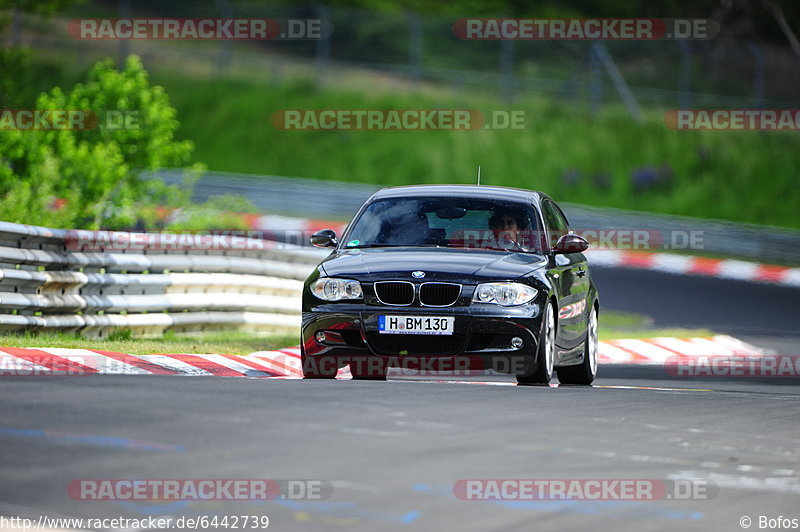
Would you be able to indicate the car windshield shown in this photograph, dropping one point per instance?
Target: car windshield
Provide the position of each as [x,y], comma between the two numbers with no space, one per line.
[472,223]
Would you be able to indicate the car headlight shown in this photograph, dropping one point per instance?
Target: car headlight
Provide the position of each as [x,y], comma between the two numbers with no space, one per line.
[331,289]
[506,294]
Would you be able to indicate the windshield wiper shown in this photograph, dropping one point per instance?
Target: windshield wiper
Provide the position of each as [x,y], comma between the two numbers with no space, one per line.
[360,246]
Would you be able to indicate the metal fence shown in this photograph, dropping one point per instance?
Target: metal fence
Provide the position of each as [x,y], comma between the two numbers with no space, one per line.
[96,282]
[371,47]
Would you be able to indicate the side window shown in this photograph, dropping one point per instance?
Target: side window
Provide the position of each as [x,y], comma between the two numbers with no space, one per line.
[556,222]
[561,216]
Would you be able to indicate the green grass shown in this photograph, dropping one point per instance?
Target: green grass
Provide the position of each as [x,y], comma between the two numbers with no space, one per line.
[615,319]
[739,176]
[230,343]
[615,325]
[611,334]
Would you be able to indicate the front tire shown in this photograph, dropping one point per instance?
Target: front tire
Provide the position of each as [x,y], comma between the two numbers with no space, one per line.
[585,372]
[546,352]
[321,367]
[369,368]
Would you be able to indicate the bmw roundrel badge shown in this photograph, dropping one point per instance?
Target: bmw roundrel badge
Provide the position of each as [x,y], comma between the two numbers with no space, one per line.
[417,274]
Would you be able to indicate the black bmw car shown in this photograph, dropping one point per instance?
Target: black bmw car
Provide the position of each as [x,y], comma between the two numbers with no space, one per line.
[451,278]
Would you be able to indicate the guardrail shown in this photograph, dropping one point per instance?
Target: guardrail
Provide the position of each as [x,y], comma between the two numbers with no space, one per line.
[319,199]
[96,282]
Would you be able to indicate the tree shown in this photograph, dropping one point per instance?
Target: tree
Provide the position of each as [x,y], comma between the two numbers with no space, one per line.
[89,178]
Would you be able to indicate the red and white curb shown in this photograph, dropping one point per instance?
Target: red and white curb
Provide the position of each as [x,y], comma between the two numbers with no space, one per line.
[654,351]
[41,361]
[689,265]
[285,363]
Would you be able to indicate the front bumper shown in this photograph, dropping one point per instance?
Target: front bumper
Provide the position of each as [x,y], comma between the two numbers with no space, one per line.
[482,336]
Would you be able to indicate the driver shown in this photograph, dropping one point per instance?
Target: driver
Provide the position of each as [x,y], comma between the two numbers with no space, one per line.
[507,231]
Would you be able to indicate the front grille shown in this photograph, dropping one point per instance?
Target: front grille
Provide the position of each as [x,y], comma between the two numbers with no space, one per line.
[395,292]
[415,344]
[439,294]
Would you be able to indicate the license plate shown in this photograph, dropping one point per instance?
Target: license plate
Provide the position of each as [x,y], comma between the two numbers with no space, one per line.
[415,325]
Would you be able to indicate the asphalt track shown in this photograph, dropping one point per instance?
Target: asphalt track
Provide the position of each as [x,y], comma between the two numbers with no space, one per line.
[393,451]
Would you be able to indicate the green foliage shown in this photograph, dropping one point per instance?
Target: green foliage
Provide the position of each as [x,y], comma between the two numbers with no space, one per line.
[737,175]
[26,75]
[12,63]
[89,178]
[36,7]
[219,212]
[41,7]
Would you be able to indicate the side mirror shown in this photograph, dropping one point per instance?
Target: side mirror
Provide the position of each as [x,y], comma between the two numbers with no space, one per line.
[325,238]
[571,243]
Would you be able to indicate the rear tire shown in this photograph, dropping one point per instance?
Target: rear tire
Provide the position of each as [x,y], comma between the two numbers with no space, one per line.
[546,352]
[585,372]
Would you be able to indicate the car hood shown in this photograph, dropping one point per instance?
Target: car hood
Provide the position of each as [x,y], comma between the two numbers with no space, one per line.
[463,265]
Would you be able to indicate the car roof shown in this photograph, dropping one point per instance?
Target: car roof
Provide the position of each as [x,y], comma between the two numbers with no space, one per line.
[464,191]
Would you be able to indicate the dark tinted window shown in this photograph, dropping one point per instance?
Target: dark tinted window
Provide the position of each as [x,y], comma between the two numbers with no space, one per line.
[555,220]
[447,222]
